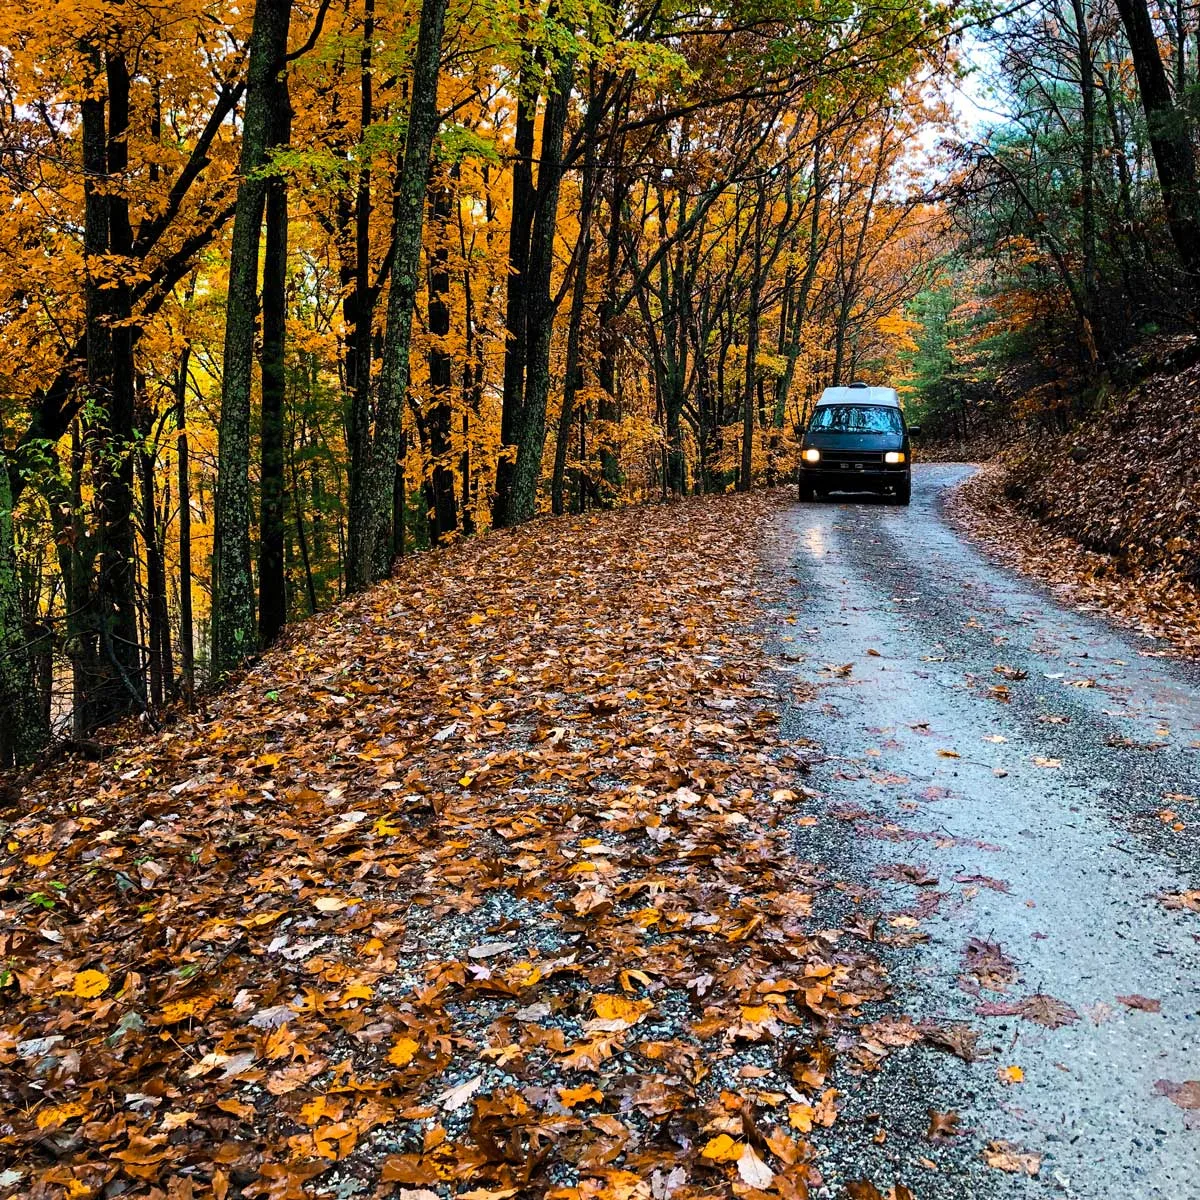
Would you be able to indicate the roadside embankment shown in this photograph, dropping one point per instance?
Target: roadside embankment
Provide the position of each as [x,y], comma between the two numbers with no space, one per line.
[1109,512]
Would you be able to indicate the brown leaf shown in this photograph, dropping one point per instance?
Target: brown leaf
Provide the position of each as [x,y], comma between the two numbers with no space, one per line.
[1143,1003]
[942,1126]
[1007,1156]
[1185,1095]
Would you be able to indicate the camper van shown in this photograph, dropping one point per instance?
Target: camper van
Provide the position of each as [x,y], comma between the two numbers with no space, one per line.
[857,441]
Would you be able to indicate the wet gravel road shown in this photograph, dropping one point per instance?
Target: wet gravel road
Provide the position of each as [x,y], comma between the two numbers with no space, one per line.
[1027,758]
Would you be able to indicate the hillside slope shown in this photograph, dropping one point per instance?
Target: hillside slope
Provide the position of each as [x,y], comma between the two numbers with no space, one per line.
[1111,510]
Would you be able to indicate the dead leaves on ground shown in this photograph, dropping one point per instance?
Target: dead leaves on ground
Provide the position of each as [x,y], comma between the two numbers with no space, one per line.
[1007,1156]
[485,876]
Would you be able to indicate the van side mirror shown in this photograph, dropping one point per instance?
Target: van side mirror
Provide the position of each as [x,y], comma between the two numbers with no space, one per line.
[914,431]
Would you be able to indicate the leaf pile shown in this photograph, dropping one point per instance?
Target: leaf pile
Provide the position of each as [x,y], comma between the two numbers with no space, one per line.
[1146,594]
[483,884]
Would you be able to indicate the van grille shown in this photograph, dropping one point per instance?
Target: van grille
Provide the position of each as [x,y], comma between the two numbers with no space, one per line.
[852,456]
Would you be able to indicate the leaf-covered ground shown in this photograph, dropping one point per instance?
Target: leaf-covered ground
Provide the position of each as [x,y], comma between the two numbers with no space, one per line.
[1107,512]
[484,884]
[1152,600]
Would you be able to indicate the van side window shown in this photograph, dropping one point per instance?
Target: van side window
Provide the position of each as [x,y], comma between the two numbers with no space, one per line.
[855,418]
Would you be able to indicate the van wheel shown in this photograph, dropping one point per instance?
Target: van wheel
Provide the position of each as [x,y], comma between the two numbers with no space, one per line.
[807,493]
[903,493]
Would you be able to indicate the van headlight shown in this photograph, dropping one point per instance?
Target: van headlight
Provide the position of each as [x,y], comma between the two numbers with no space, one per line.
[894,456]
[812,454]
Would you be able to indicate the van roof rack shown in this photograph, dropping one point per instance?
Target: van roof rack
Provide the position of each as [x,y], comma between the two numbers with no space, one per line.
[860,393]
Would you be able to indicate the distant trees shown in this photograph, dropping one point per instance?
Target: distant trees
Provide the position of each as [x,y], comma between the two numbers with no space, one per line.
[1080,197]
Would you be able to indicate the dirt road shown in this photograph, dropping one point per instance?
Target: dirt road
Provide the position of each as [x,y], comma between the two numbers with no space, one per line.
[1000,775]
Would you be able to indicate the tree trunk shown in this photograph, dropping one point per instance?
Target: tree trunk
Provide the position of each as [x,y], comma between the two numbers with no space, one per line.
[360,317]
[752,328]
[531,431]
[441,410]
[234,632]
[382,538]
[23,731]
[573,373]
[187,644]
[1169,140]
[609,408]
[1089,278]
[159,630]
[111,684]
[524,204]
[272,579]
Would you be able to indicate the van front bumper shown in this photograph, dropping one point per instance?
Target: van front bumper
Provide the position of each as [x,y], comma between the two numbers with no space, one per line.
[852,475]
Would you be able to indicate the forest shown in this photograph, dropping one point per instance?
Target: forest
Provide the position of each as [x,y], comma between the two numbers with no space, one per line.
[292,290]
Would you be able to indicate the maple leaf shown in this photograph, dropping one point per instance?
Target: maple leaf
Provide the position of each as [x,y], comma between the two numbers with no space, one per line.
[943,1126]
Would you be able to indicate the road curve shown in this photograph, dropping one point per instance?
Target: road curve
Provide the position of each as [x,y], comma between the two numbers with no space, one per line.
[1040,811]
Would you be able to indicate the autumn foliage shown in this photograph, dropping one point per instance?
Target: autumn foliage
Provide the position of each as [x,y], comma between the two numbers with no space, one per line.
[291,290]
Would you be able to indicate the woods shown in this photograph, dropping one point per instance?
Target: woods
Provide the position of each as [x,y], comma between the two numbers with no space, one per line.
[295,289]
[1072,209]
[294,292]
[467,732]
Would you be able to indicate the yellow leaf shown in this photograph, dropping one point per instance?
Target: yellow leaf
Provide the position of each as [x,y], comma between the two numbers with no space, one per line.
[723,1148]
[800,1117]
[1010,1075]
[178,1010]
[629,978]
[89,984]
[476,619]
[580,1095]
[403,1052]
[52,1118]
[258,920]
[620,1008]
[949,754]
[327,904]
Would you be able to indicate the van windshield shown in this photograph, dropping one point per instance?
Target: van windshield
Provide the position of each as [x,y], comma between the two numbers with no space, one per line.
[855,418]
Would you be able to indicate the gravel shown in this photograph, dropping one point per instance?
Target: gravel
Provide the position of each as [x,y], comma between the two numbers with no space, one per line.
[1051,775]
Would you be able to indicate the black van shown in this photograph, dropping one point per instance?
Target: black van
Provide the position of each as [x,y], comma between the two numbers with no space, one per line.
[857,441]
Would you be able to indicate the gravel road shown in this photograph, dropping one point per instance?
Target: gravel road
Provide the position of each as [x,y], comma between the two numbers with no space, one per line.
[1028,757]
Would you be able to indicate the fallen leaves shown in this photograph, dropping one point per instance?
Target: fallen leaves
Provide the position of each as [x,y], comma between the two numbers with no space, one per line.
[1039,1008]
[1145,588]
[403,1051]
[943,1126]
[455,1097]
[1184,1095]
[1141,1003]
[1189,900]
[90,984]
[1007,1156]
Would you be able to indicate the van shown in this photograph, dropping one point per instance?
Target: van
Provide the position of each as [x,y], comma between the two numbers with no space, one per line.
[857,441]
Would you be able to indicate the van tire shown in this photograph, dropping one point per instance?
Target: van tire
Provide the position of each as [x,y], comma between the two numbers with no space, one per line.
[807,493]
[903,493]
